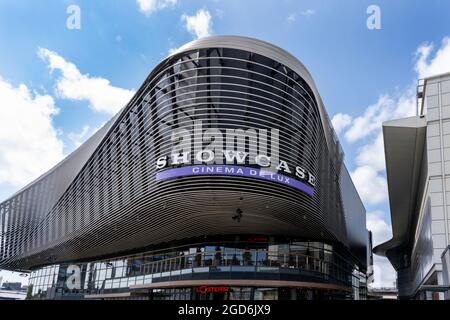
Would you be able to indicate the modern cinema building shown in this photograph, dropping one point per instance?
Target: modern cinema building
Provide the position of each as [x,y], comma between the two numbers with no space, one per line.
[222,178]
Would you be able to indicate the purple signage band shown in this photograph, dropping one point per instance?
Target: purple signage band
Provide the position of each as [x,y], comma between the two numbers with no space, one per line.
[237,171]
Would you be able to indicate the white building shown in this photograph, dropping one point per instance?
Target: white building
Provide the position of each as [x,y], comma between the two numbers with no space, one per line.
[417,151]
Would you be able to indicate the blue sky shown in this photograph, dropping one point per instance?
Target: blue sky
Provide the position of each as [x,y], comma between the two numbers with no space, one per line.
[366,76]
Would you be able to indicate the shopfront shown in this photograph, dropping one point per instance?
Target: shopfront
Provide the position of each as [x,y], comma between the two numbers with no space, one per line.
[259,268]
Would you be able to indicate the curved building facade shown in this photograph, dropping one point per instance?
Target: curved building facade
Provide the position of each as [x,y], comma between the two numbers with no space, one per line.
[221,178]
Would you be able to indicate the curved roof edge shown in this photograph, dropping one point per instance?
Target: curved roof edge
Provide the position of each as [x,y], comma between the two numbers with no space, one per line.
[249,44]
[273,52]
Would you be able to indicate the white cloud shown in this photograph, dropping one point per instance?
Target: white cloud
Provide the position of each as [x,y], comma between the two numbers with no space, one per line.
[150,6]
[372,154]
[440,63]
[78,138]
[368,126]
[219,13]
[172,50]
[200,24]
[101,95]
[370,185]
[341,121]
[29,144]
[384,273]
[366,129]
[406,104]
[371,120]
[291,18]
[386,108]
[381,231]
[308,12]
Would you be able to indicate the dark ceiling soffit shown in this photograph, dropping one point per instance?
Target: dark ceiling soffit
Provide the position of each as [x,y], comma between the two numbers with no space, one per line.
[395,132]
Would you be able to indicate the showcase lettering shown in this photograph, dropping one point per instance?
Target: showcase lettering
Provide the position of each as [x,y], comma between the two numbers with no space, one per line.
[231,146]
[238,152]
[208,156]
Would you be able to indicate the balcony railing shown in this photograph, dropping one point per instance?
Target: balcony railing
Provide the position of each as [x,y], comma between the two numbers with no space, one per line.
[225,264]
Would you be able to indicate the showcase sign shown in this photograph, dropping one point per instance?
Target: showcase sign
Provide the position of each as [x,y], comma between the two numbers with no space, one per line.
[236,152]
[226,170]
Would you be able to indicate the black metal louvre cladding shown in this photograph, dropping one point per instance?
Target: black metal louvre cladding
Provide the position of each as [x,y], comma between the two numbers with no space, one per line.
[115,205]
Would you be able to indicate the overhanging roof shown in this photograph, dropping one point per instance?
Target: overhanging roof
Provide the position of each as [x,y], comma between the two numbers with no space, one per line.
[404,141]
[273,52]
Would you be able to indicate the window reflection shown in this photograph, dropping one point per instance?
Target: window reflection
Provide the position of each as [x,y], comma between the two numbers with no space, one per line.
[299,259]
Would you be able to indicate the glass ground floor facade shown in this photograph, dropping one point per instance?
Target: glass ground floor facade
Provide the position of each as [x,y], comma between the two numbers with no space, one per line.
[234,268]
[224,293]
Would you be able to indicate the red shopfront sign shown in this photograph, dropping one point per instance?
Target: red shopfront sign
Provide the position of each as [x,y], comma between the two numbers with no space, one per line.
[258,239]
[208,289]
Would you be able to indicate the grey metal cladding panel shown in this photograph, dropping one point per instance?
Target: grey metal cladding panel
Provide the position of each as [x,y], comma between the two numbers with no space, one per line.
[115,205]
[355,217]
[27,207]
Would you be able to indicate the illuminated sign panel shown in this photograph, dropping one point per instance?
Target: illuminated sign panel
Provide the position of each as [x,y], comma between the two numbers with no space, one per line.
[229,170]
[207,289]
